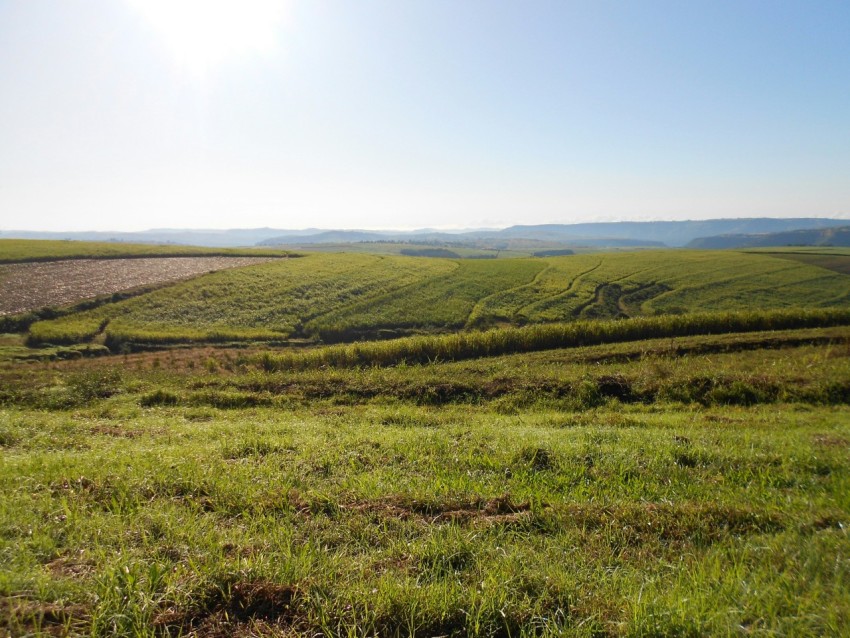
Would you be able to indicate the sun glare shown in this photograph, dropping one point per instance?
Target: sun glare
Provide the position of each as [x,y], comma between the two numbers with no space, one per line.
[203,33]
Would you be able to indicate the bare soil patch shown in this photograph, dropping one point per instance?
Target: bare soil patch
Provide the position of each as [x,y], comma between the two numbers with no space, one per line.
[497,510]
[23,616]
[25,287]
[250,609]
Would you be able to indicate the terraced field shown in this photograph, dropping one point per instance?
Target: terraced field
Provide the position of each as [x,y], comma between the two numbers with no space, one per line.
[341,297]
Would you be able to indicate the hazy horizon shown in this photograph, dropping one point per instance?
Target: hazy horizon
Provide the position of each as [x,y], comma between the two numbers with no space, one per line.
[130,115]
[390,230]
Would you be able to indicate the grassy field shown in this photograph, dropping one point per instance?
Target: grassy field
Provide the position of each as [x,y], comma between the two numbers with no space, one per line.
[636,444]
[343,297]
[671,487]
[30,250]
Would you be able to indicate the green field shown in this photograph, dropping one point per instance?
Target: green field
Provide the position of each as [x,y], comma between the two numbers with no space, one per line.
[640,444]
[687,487]
[29,250]
[343,297]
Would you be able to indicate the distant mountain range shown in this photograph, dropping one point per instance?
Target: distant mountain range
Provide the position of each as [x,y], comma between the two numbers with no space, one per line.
[615,234]
[839,236]
[233,238]
[697,234]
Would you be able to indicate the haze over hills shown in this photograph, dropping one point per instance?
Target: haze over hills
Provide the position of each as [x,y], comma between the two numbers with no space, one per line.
[838,236]
[628,233]
[213,238]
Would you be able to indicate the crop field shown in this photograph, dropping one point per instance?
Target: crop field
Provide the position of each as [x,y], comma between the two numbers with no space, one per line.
[650,443]
[30,286]
[686,486]
[345,297]
[831,261]
[28,250]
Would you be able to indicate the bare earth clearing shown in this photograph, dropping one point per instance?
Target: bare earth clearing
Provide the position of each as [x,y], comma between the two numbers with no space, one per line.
[25,287]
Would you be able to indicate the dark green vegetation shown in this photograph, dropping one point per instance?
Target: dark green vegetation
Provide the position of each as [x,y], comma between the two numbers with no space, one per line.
[836,259]
[836,236]
[672,487]
[471,345]
[339,297]
[28,250]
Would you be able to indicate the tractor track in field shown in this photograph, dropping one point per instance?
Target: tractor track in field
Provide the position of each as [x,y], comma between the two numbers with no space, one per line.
[549,299]
[481,302]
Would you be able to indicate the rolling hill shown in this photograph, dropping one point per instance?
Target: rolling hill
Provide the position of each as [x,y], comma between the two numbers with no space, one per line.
[343,297]
[610,234]
[838,236]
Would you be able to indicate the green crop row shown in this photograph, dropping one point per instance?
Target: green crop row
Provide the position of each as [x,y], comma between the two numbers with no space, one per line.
[445,301]
[66,331]
[467,345]
[118,338]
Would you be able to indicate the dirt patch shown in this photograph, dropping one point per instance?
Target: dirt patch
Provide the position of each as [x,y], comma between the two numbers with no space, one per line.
[497,510]
[719,418]
[25,287]
[636,525]
[20,616]
[830,440]
[257,608]
[71,566]
[116,431]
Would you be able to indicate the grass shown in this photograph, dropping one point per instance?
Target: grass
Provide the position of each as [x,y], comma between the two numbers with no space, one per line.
[567,492]
[664,473]
[339,297]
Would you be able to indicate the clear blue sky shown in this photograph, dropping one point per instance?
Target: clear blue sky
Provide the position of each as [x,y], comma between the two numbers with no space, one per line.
[132,114]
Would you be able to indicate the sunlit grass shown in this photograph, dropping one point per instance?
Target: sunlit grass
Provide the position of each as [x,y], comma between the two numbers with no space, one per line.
[653,488]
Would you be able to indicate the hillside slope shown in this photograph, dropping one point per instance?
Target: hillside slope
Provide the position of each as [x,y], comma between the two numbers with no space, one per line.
[839,236]
[344,297]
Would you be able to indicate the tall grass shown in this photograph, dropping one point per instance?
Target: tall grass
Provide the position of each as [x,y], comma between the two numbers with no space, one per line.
[469,345]
[76,329]
[117,338]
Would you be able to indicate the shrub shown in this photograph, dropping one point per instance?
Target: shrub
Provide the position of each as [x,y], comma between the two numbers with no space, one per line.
[159,397]
[94,384]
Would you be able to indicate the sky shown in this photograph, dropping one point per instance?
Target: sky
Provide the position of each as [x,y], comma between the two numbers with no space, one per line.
[137,114]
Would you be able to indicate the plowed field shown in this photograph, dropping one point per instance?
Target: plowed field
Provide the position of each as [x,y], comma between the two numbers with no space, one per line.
[25,287]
